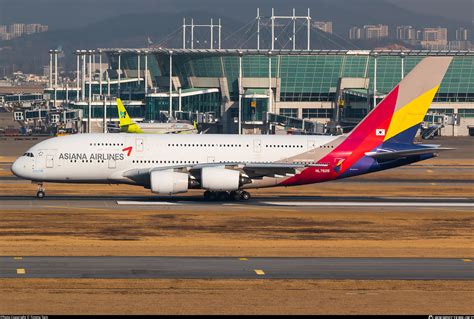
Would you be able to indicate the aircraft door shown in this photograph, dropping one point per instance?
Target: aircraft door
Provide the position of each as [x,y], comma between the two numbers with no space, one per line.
[45,159]
[49,161]
[112,163]
[257,146]
[139,144]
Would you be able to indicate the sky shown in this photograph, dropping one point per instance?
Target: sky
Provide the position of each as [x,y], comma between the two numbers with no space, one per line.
[72,13]
[461,10]
[84,24]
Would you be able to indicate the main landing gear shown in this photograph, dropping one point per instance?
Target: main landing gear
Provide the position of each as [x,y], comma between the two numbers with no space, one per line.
[226,196]
[40,193]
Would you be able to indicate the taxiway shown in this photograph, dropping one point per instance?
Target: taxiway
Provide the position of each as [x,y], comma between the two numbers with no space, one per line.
[238,268]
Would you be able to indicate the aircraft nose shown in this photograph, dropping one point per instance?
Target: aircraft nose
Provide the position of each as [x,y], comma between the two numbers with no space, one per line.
[18,168]
[15,168]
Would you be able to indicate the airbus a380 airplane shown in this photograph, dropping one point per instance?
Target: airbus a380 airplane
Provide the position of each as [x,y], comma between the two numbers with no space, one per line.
[227,165]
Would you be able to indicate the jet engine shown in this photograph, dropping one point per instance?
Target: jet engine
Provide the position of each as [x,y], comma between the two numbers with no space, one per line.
[221,179]
[168,182]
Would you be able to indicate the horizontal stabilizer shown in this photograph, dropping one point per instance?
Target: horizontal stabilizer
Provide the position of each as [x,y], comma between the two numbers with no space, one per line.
[386,155]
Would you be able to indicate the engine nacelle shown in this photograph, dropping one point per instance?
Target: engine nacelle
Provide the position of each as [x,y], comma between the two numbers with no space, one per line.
[220,179]
[168,182]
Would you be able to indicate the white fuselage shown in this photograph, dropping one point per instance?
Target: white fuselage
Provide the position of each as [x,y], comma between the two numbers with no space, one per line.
[103,158]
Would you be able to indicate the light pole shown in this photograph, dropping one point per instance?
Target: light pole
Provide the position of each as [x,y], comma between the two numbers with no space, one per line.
[55,68]
[273,29]
[146,72]
[270,91]
[138,67]
[89,118]
[171,82]
[402,56]
[220,33]
[294,29]
[50,68]
[375,79]
[104,120]
[240,92]
[78,74]
[309,30]
[100,72]
[83,87]
[258,28]
[184,33]
[119,72]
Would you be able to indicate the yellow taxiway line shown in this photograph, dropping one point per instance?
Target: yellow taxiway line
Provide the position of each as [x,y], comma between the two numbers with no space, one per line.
[20,271]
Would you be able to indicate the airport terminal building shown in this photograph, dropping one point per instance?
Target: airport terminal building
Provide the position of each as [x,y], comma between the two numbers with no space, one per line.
[280,88]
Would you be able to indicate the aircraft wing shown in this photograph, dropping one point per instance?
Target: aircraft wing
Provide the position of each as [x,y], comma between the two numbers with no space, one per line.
[250,170]
[386,155]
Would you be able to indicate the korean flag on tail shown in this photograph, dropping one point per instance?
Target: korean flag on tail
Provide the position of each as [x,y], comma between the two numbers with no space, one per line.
[380,132]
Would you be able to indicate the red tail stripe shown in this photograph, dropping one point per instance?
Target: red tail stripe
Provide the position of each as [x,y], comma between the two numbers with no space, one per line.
[361,140]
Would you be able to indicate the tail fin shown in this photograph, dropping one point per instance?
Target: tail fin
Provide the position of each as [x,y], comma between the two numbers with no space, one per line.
[394,121]
[399,115]
[126,123]
[415,95]
[123,114]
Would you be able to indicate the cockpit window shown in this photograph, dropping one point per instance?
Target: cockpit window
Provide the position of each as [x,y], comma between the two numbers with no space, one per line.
[28,155]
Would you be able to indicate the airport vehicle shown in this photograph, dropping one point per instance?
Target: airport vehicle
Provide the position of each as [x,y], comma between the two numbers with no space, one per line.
[226,166]
[128,126]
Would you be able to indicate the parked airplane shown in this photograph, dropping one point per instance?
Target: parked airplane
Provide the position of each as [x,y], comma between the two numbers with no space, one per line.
[226,166]
[128,126]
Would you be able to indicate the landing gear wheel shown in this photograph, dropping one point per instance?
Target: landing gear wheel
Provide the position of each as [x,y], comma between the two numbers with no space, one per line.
[245,195]
[207,195]
[40,193]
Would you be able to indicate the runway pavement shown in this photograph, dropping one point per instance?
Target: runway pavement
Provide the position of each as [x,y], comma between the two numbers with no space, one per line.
[238,267]
[122,202]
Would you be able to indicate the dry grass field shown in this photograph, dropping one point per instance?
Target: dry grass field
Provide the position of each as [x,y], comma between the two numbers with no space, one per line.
[238,231]
[87,296]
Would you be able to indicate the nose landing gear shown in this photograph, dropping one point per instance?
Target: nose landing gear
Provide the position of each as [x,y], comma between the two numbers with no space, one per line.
[40,193]
[245,195]
[225,196]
